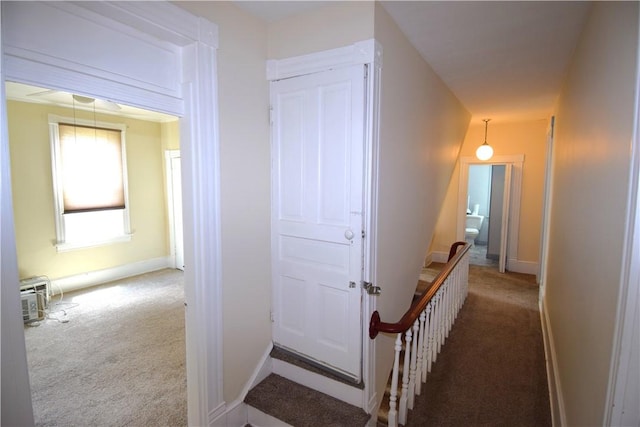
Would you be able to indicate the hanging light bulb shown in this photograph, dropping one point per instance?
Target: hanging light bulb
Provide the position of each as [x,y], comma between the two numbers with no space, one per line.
[484,152]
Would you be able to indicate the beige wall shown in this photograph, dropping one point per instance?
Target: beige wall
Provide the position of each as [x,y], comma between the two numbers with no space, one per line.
[336,25]
[595,117]
[33,196]
[245,189]
[511,138]
[422,126]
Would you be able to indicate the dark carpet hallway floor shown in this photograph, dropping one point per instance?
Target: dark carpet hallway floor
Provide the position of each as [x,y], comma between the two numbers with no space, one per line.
[491,369]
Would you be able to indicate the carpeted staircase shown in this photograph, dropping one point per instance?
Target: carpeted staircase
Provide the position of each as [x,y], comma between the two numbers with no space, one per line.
[423,285]
[278,401]
[300,406]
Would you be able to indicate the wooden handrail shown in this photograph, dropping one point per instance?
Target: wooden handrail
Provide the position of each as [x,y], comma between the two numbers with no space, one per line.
[408,319]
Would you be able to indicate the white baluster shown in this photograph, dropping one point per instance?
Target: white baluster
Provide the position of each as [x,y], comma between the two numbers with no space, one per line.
[420,365]
[413,364]
[435,336]
[402,417]
[393,397]
[447,308]
[428,341]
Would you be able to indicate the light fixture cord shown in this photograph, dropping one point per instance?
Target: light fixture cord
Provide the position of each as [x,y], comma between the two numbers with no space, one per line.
[486,124]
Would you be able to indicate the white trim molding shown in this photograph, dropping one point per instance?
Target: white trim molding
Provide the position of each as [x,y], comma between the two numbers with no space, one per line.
[98,277]
[558,413]
[169,65]
[623,391]
[364,52]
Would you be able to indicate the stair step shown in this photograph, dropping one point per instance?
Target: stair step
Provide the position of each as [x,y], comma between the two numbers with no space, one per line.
[301,406]
[309,365]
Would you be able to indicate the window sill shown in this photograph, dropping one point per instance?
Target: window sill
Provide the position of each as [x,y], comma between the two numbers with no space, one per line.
[73,246]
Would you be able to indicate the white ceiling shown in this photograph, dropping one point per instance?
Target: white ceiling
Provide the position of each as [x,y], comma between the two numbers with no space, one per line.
[504,60]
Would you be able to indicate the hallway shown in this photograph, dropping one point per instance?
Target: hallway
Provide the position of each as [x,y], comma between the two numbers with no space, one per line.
[491,370]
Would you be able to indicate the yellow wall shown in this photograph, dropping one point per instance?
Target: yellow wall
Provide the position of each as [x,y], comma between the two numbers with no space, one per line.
[33,196]
[170,135]
[528,138]
[595,125]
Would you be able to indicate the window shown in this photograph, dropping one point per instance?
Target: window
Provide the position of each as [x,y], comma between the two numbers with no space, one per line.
[89,183]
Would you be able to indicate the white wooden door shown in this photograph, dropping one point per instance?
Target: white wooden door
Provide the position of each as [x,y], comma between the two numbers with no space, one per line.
[317,215]
[504,225]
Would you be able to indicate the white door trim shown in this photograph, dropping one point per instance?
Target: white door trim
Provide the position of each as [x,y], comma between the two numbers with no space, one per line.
[181,60]
[504,225]
[623,391]
[368,53]
[546,210]
[169,156]
[516,161]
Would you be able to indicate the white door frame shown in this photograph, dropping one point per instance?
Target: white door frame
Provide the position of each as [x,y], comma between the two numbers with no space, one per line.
[169,156]
[177,51]
[546,210]
[623,391]
[513,219]
[368,53]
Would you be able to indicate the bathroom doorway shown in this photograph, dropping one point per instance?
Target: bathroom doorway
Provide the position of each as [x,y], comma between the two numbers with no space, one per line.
[484,213]
[488,209]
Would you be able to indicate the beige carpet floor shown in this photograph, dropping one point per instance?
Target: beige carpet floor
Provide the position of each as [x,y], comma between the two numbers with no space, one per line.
[112,355]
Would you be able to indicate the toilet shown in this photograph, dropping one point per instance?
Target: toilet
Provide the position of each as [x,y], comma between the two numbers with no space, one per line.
[472,227]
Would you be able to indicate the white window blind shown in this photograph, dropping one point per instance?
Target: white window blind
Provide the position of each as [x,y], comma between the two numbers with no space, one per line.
[92,170]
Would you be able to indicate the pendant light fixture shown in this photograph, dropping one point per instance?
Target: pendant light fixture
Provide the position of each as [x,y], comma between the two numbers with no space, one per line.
[485,151]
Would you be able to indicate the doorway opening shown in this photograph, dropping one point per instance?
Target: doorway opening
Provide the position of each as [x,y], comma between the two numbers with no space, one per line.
[483,227]
[107,313]
[488,208]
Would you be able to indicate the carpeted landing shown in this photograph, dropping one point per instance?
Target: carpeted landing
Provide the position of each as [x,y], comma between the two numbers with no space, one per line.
[491,369]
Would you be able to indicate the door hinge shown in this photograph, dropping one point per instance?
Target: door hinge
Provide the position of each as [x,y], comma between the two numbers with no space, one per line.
[271,316]
[270,114]
[371,289]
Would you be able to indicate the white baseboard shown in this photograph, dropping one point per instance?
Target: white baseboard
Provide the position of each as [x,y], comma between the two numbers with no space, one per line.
[258,418]
[517,266]
[237,412]
[92,278]
[526,267]
[558,414]
[235,415]
[441,257]
[428,260]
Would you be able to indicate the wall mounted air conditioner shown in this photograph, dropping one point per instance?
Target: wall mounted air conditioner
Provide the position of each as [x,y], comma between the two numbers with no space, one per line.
[35,294]
[30,311]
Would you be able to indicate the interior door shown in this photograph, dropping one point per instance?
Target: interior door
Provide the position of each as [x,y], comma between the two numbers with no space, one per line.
[504,227]
[317,216]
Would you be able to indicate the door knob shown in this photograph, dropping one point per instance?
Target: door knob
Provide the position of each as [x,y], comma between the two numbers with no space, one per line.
[348,234]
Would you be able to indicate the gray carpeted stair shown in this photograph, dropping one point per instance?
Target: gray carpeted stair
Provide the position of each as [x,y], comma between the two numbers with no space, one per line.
[301,406]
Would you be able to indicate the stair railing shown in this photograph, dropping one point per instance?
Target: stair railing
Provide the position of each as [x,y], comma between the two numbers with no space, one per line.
[424,327]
